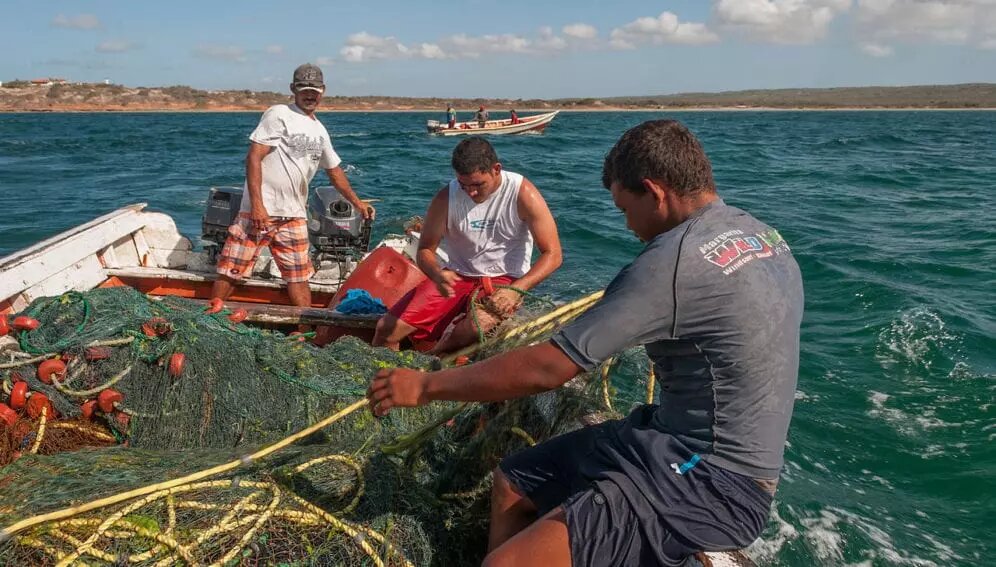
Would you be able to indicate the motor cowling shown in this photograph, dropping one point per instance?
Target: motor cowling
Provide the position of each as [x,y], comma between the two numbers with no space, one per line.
[223,205]
[336,228]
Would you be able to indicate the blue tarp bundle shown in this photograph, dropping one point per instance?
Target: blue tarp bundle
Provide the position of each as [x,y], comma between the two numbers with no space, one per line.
[360,302]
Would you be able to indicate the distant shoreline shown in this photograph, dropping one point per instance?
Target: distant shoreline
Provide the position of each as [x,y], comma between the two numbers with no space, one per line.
[22,96]
[521,110]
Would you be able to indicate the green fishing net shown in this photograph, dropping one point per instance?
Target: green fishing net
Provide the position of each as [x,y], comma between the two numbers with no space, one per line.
[411,488]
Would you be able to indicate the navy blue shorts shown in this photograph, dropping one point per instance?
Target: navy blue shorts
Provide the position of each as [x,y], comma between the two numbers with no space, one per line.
[625,501]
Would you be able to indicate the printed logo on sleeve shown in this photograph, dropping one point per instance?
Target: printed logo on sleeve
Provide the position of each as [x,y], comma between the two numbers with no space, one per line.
[733,249]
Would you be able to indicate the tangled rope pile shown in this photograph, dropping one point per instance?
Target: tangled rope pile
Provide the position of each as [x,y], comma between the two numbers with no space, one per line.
[346,489]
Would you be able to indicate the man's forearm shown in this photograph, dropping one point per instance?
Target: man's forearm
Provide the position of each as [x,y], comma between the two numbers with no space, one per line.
[545,265]
[524,372]
[341,184]
[254,181]
[428,262]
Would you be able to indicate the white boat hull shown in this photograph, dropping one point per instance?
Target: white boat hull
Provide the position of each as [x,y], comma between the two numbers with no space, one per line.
[536,123]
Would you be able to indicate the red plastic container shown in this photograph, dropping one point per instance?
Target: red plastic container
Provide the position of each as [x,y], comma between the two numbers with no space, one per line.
[385,274]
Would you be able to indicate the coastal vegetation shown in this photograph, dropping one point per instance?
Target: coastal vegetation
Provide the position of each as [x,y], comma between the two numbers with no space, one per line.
[24,96]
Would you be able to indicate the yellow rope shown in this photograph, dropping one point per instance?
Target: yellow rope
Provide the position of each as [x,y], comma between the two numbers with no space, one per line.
[525,436]
[14,528]
[481,487]
[348,529]
[87,393]
[222,525]
[25,362]
[550,320]
[651,382]
[93,431]
[41,431]
[605,383]
[252,531]
[360,483]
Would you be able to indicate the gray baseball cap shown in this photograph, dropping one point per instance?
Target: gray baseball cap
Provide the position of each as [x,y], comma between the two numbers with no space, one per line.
[308,76]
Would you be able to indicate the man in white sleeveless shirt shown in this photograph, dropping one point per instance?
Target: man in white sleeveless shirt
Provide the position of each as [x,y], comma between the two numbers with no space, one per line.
[490,219]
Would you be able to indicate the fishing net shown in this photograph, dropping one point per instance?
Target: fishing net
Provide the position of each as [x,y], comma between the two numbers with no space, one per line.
[259,450]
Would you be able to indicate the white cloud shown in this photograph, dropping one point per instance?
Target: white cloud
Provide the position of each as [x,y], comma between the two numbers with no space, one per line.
[115,46]
[953,22]
[325,61]
[274,49]
[475,46]
[80,22]
[363,46]
[367,47]
[580,31]
[222,53]
[780,21]
[876,50]
[665,28]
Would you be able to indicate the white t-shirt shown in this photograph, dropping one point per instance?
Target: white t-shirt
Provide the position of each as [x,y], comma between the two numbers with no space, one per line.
[301,146]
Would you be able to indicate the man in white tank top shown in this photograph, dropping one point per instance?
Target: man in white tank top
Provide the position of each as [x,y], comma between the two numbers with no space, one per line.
[490,219]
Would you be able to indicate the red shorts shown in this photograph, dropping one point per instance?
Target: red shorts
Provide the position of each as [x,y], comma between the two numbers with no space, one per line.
[430,313]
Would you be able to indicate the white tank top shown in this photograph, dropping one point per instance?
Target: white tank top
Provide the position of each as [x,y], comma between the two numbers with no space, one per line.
[488,239]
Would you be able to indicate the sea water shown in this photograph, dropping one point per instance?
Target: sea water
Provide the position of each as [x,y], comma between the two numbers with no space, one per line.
[892,459]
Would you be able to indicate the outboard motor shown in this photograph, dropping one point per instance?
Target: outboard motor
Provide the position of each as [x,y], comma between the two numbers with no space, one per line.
[223,206]
[337,230]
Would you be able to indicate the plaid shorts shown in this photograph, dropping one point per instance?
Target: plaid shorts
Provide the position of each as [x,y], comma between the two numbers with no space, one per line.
[288,242]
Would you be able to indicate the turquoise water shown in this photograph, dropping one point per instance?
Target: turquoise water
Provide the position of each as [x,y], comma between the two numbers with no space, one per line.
[892,459]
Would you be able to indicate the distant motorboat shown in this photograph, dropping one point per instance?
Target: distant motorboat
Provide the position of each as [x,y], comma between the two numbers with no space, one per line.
[535,123]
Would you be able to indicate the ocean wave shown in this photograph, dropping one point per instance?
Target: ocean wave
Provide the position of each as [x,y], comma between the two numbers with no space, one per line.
[919,337]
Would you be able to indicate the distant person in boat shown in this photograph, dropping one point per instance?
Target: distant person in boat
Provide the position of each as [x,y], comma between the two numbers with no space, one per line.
[450,116]
[285,151]
[716,298]
[489,219]
[514,116]
[481,117]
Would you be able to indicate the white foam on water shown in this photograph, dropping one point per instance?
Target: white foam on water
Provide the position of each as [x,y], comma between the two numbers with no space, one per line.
[354,170]
[829,533]
[822,536]
[916,338]
[765,550]
[895,417]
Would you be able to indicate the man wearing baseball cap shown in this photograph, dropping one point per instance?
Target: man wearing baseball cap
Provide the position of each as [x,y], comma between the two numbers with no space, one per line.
[285,151]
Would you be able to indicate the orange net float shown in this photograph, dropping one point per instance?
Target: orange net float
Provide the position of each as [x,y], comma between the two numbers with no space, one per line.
[51,367]
[156,327]
[38,402]
[487,285]
[25,323]
[88,408]
[19,395]
[123,420]
[4,325]
[93,354]
[107,398]
[7,416]
[238,316]
[176,363]
[215,306]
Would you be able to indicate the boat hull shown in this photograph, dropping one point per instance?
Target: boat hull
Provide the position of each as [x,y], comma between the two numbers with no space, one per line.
[528,124]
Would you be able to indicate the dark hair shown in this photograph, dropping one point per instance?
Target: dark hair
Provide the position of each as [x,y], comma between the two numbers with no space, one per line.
[472,155]
[662,150]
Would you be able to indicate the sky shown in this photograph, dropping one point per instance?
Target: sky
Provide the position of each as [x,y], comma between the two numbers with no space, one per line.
[503,49]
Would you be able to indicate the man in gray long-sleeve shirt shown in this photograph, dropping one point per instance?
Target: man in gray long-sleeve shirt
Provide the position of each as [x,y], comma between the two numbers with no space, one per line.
[716,299]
